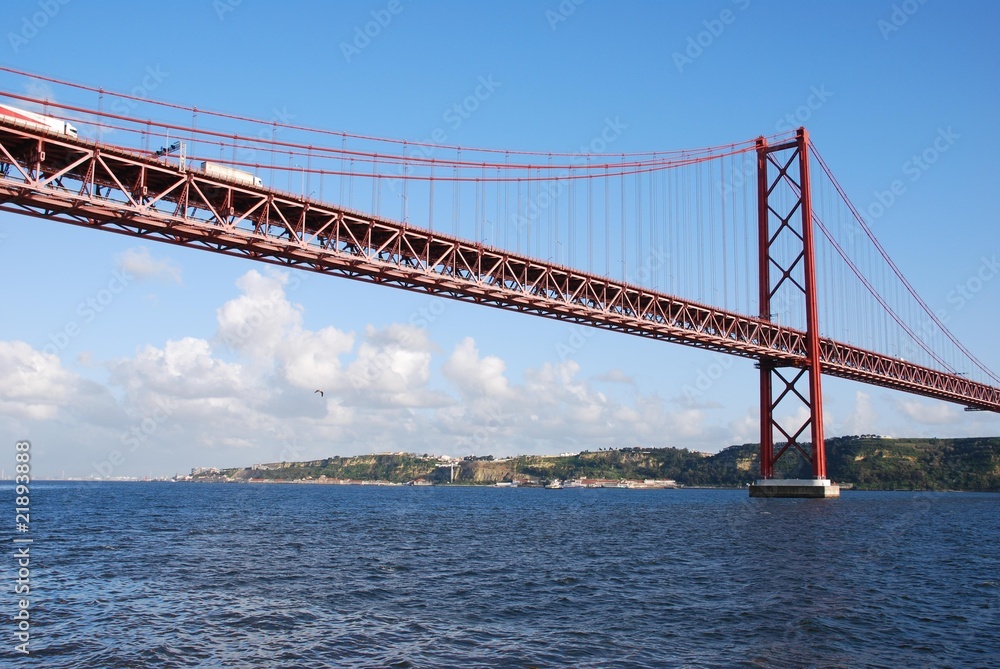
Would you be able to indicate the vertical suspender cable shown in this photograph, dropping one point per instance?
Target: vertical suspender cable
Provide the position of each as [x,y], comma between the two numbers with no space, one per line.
[639,250]
[430,205]
[590,218]
[343,152]
[624,260]
[607,221]
[506,199]
[456,195]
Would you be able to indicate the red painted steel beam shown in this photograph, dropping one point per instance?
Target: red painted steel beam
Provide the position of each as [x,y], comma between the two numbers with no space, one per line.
[764,300]
[814,359]
[777,218]
[117,190]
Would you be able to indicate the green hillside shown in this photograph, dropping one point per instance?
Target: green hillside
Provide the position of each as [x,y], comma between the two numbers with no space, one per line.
[866,462]
[872,463]
[916,464]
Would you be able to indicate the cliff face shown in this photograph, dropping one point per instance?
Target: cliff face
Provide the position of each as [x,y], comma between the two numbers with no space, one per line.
[394,468]
[484,472]
[866,462]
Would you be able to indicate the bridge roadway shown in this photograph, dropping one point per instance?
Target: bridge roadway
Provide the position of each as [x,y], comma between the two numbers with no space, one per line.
[100,186]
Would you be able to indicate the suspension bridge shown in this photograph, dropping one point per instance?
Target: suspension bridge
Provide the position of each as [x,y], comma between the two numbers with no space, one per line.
[751,249]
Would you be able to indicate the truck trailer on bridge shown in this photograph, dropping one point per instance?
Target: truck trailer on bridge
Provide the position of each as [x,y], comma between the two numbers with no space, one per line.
[35,120]
[230,174]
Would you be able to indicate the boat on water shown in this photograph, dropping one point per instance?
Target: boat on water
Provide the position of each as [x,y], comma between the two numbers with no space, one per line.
[555,485]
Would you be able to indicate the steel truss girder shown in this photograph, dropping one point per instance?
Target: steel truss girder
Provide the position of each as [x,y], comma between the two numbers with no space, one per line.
[117,190]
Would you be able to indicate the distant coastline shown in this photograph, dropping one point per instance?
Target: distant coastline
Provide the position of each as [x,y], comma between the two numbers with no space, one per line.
[865,462]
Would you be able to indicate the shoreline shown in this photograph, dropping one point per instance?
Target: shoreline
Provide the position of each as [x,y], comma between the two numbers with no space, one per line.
[387,484]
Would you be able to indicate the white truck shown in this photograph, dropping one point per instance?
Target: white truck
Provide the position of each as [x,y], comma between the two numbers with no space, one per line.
[230,174]
[40,121]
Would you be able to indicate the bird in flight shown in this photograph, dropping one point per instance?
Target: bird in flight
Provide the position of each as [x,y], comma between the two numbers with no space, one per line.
[320,393]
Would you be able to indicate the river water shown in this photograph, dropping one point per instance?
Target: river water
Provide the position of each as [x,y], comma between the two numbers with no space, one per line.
[165,575]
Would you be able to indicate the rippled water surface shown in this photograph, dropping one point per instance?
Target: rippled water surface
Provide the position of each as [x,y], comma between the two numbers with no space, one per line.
[203,575]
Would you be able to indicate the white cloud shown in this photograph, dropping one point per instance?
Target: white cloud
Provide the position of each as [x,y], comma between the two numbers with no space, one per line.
[615,375]
[40,90]
[311,360]
[929,413]
[247,396]
[746,428]
[863,418]
[184,368]
[139,263]
[392,368]
[473,375]
[397,334]
[33,384]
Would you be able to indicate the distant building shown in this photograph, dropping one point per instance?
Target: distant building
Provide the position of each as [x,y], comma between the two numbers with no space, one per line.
[647,484]
[599,483]
[653,483]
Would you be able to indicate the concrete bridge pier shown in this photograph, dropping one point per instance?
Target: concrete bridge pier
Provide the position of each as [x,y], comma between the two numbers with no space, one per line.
[794,488]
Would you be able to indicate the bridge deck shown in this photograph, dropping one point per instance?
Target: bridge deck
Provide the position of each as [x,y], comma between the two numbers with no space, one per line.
[111,188]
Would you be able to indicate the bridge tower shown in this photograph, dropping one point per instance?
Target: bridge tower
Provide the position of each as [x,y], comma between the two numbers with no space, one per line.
[787,284]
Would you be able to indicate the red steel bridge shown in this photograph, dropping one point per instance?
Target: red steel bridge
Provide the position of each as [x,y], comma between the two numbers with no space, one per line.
[750,249]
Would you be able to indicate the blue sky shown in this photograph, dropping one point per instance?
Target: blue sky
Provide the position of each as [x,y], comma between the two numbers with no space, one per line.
[883,80]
